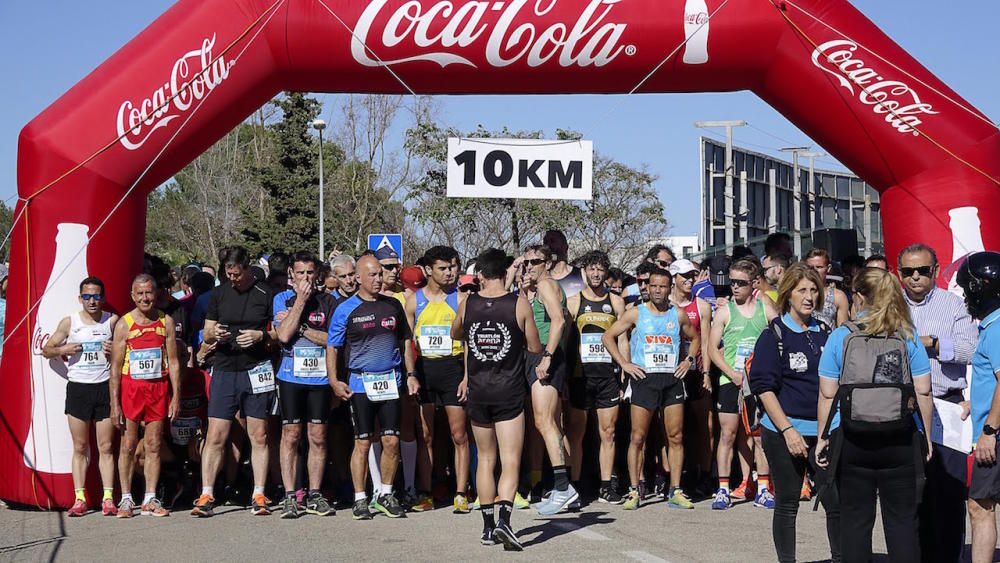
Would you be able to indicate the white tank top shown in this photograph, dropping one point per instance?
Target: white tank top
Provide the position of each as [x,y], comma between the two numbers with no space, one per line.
[91,364]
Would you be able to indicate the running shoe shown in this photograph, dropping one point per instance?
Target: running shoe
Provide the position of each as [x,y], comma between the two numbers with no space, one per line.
[679,500]
[203,507]
[423,503]
[407,498]
[722,500]
[559,501]
[460,504]
[361,511]
[743,492]
[108,507]
[78,509]
[610,496]
[806,493]
[289,508]
[764,499]
[317,504]
[388,505]
[154,508]
[126,508]
[507,537]
[632,500]
[660,486]
[537,505]
[487,537]
[259,505]
[475,504]
[521,503]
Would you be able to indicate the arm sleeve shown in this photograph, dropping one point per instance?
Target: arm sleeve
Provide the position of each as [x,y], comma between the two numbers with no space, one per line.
[831,362]
[961,343]
[765,370]
[212,314]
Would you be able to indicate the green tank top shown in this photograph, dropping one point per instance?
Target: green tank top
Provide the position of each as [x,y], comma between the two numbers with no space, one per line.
[543,321]
[740,337]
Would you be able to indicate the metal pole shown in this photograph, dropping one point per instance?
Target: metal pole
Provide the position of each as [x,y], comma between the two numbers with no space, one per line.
[744,215]
[797,197]
[728,125]
[322,246]
[772,217]
[868,225]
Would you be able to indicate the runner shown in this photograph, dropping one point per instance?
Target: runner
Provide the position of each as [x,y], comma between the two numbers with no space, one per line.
[596,384]
[656,380]
[836,309]
[698,384]
[659,256]
[569,278]
[83,341]
[641,294]
[344,269]
[145,390]
[391,267]
[430,312]
[237,320]
[773,267]
[302,318]
[546,373]
[738,324]
[371,332]
[497,328]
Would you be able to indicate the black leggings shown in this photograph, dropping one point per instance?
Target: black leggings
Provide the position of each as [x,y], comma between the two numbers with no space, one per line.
[787,473]
[882,469]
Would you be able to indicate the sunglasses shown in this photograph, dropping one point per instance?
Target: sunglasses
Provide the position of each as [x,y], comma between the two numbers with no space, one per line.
[390,266]
[924,271]
[689,275]
[663,263]
[535,261]
[739,283]
[640,281]
[91,297]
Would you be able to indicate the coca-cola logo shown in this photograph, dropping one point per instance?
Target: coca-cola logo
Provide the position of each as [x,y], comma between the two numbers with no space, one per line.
[441,30]
[896,100]
[696,18]
[38,341]
[186,85]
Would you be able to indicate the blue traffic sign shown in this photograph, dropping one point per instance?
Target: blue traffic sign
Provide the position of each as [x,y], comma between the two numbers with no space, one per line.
[395,241]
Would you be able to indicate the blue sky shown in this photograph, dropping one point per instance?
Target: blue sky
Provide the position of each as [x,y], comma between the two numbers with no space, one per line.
[52,44]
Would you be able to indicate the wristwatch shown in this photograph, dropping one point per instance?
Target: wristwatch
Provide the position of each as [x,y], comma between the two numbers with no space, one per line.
[989,430]
[411,374]
[690,359]
[546,354]
[934,344]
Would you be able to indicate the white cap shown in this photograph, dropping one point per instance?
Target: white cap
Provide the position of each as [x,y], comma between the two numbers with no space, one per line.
[681,267]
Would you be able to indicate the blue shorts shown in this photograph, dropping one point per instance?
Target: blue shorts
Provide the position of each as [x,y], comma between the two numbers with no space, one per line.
[230,391]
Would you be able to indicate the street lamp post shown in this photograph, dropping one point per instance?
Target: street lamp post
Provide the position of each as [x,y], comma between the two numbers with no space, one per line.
[319,125]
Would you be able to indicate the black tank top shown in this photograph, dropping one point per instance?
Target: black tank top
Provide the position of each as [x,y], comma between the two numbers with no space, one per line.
[495,349]
[592,320]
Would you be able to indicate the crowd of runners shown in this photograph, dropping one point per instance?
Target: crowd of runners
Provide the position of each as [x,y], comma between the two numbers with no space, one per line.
[534,382]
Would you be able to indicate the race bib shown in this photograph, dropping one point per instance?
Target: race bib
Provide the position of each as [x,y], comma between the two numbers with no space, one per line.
[92,356]
[261,378]
[183,429]
[435,340]
[145,364]
[380,386]
[660,357]
[592,350]
[309,361]
[743,353]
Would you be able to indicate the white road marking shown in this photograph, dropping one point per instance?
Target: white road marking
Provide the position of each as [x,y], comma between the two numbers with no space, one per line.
[580,532]
[644,557]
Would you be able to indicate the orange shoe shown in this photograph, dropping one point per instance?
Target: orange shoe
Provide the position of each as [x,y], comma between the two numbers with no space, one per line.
[806,493]
[203,507]
[259,505]
[154,508]
[744,491]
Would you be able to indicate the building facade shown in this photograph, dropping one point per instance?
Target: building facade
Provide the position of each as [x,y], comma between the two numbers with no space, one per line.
[760,199]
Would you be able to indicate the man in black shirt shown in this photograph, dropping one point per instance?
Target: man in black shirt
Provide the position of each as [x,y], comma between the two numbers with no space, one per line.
[497,328]
[237,321]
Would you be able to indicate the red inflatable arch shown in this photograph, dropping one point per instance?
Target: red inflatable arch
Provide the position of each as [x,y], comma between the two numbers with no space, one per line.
[87,162]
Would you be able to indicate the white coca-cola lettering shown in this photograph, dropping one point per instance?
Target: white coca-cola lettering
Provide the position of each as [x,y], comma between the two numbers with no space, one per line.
[589,41]
[897,100]
[137,121]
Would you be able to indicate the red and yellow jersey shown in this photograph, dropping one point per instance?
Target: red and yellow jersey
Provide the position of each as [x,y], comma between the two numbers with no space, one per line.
[145,348]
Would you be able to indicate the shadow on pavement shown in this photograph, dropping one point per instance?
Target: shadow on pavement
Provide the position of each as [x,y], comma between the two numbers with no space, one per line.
[554,527]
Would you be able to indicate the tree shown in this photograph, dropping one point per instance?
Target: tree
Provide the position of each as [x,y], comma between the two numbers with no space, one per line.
[624,214]
[6,224]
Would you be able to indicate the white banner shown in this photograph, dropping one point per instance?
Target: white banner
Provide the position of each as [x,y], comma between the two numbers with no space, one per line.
[520,168]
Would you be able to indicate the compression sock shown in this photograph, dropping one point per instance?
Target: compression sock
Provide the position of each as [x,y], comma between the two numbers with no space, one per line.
[561,477]
[724,483]
[409,454]
[81,494]
[374,461]
[506,507]
[489,522]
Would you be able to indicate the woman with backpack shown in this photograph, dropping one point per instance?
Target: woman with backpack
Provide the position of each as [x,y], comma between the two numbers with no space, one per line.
[874,373]
[784,374]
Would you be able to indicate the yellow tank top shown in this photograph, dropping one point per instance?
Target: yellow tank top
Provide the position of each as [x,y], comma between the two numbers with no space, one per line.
[433,326]
[145,348]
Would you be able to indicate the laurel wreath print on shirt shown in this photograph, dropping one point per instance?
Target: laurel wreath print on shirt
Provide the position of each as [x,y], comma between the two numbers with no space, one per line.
[476,348]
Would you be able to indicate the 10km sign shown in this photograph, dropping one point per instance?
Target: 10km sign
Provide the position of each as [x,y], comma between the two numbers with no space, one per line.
[520,168]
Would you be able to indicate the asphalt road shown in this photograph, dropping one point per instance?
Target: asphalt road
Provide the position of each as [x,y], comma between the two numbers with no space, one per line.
[598,532]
